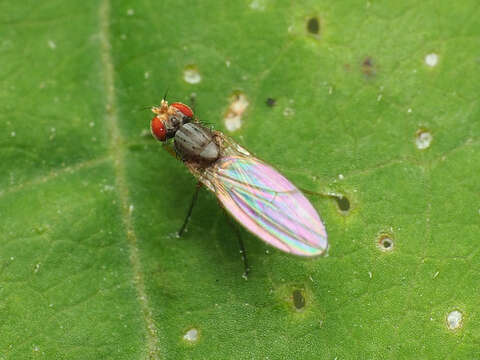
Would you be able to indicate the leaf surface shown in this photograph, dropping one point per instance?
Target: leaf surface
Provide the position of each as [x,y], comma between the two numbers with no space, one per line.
[373,101]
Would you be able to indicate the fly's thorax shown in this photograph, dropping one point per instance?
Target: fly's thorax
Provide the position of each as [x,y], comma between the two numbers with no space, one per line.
[195,142]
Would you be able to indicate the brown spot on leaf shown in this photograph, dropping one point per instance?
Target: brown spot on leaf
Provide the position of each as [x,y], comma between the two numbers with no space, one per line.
[368,67]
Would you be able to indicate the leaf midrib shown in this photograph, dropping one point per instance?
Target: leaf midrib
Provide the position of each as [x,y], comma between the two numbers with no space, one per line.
[117,155]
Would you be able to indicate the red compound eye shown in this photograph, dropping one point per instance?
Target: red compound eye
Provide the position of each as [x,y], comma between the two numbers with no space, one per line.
[184,109]
[158,129]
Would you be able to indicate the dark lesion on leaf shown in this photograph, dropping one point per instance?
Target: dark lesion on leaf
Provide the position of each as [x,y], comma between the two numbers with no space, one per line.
[343,203]
[298,299]
[270,102]
[313,25]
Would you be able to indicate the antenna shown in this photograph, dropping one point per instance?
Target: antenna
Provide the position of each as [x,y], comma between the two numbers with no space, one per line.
[166,93]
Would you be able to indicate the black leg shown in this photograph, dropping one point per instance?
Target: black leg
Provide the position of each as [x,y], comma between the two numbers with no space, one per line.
[343,202]
[246,268]
[166,93]
[189,213]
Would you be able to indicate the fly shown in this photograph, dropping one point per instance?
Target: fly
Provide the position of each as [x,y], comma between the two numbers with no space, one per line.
[253,192]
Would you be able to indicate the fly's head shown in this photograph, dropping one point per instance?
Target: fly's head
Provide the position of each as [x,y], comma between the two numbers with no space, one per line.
[169,118]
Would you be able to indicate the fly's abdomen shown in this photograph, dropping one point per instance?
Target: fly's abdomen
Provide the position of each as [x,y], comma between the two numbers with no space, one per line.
[195,142]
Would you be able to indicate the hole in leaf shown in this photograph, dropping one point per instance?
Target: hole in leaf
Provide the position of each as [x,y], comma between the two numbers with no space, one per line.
[298,300]
[385,242]
[313,26]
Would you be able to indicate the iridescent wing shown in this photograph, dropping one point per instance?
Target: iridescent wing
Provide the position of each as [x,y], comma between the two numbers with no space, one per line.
[266,203]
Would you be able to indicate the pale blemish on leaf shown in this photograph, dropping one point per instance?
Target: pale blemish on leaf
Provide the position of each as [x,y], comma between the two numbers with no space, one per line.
[191,75]
[191,335]
[454,320]
[233,118]
[431,59]
[258,5]
[423,139]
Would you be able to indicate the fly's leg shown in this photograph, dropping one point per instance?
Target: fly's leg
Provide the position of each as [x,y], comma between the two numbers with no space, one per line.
[246,268]
[189,213]
[343,202]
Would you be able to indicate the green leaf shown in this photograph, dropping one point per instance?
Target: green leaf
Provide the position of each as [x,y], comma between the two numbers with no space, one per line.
[374,101]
